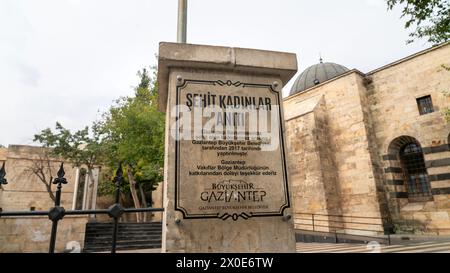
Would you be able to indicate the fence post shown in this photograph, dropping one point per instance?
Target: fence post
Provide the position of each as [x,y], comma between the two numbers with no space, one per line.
[388,229]
[116,210]
[57,212]
[3,180]
[312,217]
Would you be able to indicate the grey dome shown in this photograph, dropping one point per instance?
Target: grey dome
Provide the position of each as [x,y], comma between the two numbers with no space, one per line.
[317,74]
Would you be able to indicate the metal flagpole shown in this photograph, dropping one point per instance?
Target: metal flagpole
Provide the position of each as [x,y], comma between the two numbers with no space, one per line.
[182,21]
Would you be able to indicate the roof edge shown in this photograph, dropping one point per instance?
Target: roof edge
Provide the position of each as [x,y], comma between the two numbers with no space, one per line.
[409,57]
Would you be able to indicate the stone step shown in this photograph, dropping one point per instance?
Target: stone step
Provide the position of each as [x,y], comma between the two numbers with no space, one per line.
[88,241]
[108,244]
[125,242]
[110,230]
[129,234]
[122,238]
[120,247]
[124,228]
[123,224]
[98,237]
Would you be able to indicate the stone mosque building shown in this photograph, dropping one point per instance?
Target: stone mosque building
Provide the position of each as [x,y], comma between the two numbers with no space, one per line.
[371,148]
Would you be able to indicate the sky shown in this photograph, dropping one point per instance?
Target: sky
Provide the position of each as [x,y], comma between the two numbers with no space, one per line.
[68,60]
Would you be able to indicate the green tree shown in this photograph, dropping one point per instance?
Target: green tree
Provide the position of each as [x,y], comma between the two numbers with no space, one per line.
[427,18]
[81,148]
[130,132]
[133,133]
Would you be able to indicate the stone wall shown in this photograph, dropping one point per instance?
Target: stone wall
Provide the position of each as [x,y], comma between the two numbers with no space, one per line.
[392,96]
[24,190]
[3,154]
[338,139]
[32,234]
[311,164]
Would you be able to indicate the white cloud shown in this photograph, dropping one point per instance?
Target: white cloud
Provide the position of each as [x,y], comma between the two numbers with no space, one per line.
[74,2]
[376,3]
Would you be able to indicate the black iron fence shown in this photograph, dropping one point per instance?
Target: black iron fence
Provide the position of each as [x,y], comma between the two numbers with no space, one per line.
[364,226]
[57,213]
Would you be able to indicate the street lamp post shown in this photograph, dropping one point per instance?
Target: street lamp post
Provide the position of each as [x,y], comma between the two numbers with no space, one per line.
[182,21]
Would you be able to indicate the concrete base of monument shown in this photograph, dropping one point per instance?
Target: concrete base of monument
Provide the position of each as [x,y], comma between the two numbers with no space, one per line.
[267,235]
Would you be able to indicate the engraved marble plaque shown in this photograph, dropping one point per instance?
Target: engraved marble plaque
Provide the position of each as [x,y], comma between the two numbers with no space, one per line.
[230,158]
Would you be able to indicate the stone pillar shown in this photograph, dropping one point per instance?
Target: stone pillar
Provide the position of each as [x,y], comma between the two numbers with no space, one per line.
[157,199]
[224,196]
[93,202]
[75,187]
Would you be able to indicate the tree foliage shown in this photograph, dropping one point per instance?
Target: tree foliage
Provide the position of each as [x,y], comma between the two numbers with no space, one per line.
[133,132]
[428,19]
[81,147]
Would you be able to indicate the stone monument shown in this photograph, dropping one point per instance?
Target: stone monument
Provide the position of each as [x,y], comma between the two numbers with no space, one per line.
[226,186]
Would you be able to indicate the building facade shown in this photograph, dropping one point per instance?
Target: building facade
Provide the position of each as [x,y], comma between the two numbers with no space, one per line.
[25,166]
[371,148]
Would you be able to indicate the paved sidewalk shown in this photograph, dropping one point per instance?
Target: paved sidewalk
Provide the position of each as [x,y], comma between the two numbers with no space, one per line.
[422,247]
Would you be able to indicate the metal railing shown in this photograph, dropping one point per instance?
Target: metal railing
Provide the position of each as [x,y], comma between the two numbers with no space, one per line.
[57,213]
[344,224]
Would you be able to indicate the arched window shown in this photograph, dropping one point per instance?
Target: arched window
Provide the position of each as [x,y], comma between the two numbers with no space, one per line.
[414,170]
